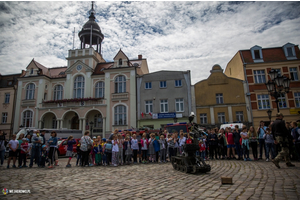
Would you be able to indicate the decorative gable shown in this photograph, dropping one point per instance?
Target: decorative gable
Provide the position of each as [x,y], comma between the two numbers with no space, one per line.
[121,60]
[79,67]
[34,69]
[289,51]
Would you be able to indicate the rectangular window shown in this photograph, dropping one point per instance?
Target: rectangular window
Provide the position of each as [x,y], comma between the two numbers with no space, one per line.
[4,118]
[163,84]
[294,74]
[203,118]
[219,98]
[148,85]
[179,105]
[178,83]
[221,117]
[282,101]
[239,116]
[289,51]
[149,106]
[259,76]
[31,71]
[256,54]
[7,97]
[263,101]
[164,106]
[297,99]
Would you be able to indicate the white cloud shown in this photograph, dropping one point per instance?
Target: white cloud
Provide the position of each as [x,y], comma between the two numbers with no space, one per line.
[171,35]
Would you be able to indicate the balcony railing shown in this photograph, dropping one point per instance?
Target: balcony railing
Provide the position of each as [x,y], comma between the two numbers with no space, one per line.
[120,96]
[74,102]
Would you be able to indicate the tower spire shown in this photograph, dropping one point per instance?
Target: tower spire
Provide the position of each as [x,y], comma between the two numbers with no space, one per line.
[92,11]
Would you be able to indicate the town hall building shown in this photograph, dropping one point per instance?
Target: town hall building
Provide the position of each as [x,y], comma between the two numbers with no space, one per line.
[89,93]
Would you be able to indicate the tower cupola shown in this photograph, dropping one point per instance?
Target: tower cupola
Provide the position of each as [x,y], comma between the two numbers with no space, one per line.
[90,33]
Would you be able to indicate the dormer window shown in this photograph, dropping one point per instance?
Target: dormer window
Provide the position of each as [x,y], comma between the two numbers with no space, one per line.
[289,51]
[256,53]
[31,71]
[120,62]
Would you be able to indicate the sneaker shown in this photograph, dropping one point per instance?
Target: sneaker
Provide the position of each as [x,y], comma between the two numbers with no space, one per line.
[50,167]
[68,165]
[267,160]
[115,165]
[245,159]
[25,166]
[248,159]
[20,166]
[56,163]
[14,166]
[91,165]
[290,164]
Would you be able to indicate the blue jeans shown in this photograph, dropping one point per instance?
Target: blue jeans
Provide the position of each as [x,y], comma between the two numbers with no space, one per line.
[245,151]
[261,146]
[35,153]
[203,154]
[2,153]
[239,150]
[78,159]
[270,146]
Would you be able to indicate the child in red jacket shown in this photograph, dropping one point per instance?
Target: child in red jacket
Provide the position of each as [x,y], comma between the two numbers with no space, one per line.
[202,149]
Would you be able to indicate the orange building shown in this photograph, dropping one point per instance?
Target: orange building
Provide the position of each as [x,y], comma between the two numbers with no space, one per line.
[253,65]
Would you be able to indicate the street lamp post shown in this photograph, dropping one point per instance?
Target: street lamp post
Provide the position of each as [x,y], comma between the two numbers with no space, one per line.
[269,114]
[91,128]
[278,85]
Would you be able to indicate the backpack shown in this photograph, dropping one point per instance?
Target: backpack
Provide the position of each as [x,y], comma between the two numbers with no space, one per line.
[108,146]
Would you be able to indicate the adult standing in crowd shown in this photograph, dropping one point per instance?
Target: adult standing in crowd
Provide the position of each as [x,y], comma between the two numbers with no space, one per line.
[2,147]
[85,143]
[253,141]
[36,148]
[296,138]
[261,131]
[237,137]
[213,144]
[115,133]
[281,135]
[43,136]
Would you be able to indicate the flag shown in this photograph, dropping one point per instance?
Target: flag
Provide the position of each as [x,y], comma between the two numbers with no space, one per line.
[142,114]
[150,114]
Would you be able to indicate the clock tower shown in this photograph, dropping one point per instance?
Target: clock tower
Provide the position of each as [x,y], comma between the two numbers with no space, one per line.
[91,38]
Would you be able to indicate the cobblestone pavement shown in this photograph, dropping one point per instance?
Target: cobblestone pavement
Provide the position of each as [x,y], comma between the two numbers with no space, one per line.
[251,180]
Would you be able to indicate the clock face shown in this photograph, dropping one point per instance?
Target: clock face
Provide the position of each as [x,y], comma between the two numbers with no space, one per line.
[79,67]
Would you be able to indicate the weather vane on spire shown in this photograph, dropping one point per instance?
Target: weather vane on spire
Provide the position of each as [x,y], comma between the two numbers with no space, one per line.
[92,10]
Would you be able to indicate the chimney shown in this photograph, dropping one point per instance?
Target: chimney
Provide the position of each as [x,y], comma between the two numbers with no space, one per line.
[140,57]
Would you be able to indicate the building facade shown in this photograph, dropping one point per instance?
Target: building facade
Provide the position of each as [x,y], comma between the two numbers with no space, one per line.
[252,65]
[163,97]
[89,93]
[8,88]
[221,99]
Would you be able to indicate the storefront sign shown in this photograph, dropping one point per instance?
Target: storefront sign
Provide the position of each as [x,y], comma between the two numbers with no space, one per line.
[166,115]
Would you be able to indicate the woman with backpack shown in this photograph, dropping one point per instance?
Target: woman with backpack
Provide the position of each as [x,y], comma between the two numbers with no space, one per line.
[85,147]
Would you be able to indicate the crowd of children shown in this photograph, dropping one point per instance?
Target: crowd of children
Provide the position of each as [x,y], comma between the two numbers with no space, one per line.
[128,148]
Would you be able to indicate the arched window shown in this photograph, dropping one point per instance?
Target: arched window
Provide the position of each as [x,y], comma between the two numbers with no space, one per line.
[58,92]
[120,62]
[54,122]
[27,118]
[98,122]
[79,87]
[120,115]
[120,84]
[30,91]
[99,89]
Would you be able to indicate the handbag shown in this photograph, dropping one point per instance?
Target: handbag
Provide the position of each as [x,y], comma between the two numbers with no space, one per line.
[89,146]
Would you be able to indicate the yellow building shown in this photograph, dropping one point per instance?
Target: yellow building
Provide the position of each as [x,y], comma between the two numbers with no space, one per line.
[221,99]
[252,65]
[8,87]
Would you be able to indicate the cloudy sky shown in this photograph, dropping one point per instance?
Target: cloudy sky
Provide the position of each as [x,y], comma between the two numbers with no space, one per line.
[171,35]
